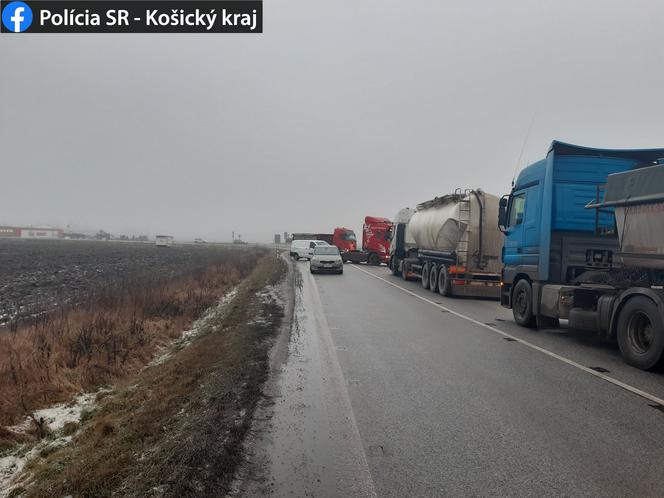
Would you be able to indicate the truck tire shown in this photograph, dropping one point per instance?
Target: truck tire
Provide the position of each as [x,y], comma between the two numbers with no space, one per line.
[522,304]
[444,286]
[433,278]
[425,275]
[373,259]
[641,333]
[405,268]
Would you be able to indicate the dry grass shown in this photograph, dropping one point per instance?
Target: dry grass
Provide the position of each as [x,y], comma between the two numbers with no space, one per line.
[113,333]
[175,429]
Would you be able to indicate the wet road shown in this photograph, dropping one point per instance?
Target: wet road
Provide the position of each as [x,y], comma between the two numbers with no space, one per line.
[420,401]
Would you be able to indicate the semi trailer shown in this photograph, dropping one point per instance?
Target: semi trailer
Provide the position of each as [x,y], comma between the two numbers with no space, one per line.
[584,241]
[451,243]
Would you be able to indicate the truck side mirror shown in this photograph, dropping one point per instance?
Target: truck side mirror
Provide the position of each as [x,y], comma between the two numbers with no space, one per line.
[502,213]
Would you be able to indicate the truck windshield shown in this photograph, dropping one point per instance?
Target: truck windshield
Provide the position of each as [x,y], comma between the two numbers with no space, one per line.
[348,236]
[517,209]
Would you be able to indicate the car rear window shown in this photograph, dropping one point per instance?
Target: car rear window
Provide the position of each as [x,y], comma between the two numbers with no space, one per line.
[326,250]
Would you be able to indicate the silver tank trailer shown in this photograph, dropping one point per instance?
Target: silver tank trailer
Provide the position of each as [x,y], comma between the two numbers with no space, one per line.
[462,223]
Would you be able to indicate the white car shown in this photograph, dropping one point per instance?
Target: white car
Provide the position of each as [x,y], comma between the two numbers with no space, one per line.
[305,248]
[326,259]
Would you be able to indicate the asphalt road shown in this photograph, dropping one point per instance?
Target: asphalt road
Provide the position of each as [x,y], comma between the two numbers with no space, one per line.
[384,393]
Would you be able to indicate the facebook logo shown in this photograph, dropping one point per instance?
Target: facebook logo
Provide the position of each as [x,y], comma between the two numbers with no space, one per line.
[17,17]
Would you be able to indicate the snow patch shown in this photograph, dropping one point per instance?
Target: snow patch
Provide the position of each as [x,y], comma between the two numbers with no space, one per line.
[268,295]
[56,417]
[202,324]
[271,295]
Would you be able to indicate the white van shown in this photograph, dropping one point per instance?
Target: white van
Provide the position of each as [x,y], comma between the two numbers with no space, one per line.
[305,248]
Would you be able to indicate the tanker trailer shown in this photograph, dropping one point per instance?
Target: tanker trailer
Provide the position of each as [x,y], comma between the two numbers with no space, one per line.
[457,245]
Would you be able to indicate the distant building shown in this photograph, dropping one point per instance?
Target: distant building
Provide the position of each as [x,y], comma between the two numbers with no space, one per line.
[31,232]
[13,232]
[277,238]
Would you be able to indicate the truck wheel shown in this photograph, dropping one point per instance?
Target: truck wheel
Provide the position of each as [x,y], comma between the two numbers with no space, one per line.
[522,304]
[433,278]
[405,268]
[641,333]
[444,287]
[425,275]
[373,259]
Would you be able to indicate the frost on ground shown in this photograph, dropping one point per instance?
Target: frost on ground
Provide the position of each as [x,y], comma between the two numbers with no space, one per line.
[57,416]
[202,325]
[270,295]
[54,420]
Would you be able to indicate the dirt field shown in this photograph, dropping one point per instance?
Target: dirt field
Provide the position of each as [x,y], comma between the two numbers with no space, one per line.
[39,275]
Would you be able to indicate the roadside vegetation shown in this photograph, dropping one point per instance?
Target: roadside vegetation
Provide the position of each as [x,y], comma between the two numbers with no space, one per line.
[175,428]
[114,331]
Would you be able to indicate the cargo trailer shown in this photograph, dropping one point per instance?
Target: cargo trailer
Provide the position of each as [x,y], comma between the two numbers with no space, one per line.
[451,244]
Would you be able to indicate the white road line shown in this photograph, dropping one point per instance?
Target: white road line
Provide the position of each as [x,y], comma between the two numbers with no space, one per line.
[590,371]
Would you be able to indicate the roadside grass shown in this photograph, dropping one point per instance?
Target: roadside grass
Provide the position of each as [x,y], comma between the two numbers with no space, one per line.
[175,429]
[113,333]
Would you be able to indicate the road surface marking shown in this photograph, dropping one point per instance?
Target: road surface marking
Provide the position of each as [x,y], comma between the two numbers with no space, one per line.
[588,370]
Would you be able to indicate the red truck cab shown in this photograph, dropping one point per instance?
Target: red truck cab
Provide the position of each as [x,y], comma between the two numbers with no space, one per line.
[344,239]
[376,236]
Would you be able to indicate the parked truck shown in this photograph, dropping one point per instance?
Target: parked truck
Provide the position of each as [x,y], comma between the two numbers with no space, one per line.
[584,241]
[450,243]
[376,236]
[343,238]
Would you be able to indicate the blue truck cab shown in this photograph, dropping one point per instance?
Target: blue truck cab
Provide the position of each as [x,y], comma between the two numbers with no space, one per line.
[553,246]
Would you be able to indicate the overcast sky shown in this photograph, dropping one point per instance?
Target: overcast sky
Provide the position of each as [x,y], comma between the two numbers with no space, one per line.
[340,109]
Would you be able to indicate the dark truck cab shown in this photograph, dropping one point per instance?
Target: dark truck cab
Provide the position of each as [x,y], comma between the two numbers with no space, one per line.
[564,257]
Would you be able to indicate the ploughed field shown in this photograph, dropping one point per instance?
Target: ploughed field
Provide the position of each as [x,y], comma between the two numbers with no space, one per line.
[38,275]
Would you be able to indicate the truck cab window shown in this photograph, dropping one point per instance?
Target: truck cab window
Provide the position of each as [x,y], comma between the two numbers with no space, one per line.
[517,209]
